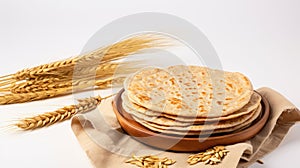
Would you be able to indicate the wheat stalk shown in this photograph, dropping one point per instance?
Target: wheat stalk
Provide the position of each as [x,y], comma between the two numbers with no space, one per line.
[75,74]
[83,83]
[108,69]
[115,82]
[62,114]
[102,73]
[128,46]
[83,86]
[113,52]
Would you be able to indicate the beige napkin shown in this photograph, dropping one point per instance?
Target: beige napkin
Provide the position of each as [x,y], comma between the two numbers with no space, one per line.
[107,145]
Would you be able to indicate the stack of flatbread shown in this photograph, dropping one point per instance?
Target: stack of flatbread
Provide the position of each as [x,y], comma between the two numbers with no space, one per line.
[190,100]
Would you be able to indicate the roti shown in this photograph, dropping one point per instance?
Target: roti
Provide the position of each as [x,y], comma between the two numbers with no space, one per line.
[189,91]
[146,114]
[203,132]
[164,124]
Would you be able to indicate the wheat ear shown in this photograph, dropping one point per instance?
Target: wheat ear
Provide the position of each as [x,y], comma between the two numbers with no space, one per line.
[82,86]
[64,70]
[102,72]
[62,114]
[112,52]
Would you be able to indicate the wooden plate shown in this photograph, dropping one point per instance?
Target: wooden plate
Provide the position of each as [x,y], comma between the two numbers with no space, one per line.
[187,143]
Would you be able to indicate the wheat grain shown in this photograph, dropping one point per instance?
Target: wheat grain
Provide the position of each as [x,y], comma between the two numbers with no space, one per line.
[259,161]
[150,161]
[211,156]
[62,114]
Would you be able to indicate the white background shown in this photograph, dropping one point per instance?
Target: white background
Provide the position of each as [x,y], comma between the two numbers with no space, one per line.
[260,38]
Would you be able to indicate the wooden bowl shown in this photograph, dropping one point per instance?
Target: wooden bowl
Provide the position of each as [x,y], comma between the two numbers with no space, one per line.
[187,143]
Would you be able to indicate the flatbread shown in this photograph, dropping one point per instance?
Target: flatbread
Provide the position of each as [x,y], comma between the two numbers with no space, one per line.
[156,119]
[203,132]
[146,114]
[189,91]
[164,124]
